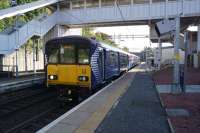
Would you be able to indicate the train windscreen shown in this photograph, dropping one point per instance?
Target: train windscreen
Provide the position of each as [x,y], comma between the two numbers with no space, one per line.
[83,55]
[53,55]
[67,54]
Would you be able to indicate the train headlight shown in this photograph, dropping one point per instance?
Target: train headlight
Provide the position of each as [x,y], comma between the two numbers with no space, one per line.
[52,77]
[83,78]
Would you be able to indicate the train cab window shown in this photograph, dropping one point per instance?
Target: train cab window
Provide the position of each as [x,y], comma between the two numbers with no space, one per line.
[83,55]
[53,56]
[67,54]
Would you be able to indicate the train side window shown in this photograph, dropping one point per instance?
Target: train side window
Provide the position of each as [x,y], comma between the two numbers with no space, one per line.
[83,55]
[67,54]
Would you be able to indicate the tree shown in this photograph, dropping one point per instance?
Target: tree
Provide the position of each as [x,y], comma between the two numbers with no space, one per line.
[102,37]
[7,22]
[125,49]
[87,32]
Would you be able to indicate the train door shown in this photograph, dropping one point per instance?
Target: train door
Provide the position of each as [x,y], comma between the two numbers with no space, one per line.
[101,63]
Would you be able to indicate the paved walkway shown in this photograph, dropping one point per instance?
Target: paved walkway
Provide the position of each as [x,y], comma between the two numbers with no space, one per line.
[165,76]
[86,117]
[138,111]
[22,77]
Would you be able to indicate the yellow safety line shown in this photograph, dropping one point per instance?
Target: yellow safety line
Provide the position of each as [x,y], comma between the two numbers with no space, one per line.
[96,118]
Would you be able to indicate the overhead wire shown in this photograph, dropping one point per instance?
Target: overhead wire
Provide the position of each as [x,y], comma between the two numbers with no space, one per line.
[122,16]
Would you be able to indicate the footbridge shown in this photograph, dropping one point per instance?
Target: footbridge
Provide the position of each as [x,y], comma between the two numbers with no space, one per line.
[93,13]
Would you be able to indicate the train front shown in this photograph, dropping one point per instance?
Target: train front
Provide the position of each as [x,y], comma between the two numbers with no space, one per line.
[68,65]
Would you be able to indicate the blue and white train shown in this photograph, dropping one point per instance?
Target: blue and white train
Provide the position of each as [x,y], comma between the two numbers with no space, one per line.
[79,65]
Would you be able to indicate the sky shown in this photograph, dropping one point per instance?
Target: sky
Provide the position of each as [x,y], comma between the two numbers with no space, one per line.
[134,45]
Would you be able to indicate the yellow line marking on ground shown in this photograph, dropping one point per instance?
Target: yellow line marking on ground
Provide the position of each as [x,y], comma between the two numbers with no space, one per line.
[96,118]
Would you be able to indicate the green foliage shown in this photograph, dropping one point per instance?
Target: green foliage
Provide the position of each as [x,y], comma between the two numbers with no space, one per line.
[102,37]
[24,1]
[8,22]
[87,32]
[125,49]
[4,4]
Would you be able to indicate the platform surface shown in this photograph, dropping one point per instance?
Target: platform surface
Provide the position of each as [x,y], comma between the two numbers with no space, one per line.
[101,109]
[165,76]
[139,110]
[12,84]
[21,78]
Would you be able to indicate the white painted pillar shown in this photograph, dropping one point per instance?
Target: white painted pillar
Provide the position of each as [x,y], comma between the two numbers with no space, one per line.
[132,2]
[70,4]
[150,5]
[16,63]
[85,4]
[100,3]
[176,75]
[25,54]
[183,3]
[160,53]
[198,45]
[166,7]
[34,59]
[186,44]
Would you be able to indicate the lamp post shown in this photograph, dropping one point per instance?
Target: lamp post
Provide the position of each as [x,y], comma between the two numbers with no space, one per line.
[176,76]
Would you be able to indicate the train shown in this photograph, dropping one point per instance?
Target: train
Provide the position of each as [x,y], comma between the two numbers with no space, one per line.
[78,65]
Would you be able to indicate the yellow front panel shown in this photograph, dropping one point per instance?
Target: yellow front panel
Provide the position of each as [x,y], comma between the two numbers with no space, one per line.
[84,70]
[68,74]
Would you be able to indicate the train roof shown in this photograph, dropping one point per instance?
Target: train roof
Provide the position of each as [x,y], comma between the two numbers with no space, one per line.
[73,37]
[104,45]
[92,41]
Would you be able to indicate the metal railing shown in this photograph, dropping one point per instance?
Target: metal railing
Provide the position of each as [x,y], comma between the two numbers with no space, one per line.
[7,71]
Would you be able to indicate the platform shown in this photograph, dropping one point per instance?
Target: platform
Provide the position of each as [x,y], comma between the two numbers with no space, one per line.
[164,80]
[10,84]
[98,113]
[182,108]
[165,76]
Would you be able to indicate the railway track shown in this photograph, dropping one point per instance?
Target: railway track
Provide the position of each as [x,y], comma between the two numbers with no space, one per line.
[28,110]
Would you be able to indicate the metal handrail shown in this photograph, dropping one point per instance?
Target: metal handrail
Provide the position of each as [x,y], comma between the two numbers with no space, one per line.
[8,68]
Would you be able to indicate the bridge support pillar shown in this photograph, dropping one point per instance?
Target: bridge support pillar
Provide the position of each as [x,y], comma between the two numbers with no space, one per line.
[160,53]
[16,63]
[25,58]
[34,55]
[198,45]
[176,74]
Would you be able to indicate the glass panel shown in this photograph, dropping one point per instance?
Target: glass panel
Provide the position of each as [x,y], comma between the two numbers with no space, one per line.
[77,4]
[92,3]
[124,2]
[140,1]
[83,55]
[53,55]
[67,54]
[107,2]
